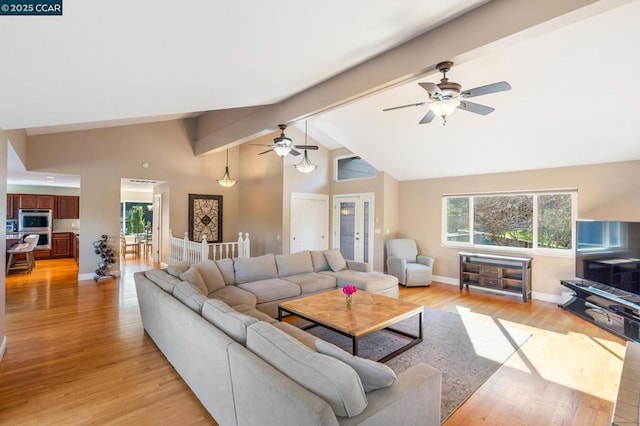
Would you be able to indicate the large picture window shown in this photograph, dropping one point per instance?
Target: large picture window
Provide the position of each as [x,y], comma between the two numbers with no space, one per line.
[520,221]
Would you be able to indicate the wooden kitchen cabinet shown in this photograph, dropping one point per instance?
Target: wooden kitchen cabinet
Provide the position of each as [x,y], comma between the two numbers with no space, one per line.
[12,206]
[61,244]
[67,207]
[32,201]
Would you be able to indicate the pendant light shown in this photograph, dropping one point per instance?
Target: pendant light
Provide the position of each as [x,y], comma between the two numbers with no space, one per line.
[305,166]
[226,180]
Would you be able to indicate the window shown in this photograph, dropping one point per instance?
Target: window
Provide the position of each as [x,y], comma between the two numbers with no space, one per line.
[523,221]
[353,168]
[135,217]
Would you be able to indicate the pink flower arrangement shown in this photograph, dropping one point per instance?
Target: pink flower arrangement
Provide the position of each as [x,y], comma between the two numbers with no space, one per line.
[349,289]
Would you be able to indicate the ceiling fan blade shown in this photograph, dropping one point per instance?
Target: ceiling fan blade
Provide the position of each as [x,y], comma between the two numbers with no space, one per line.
[483,90]
[404,106]
[264,152]
[309,147]
[431,88]
[476,108]
[294,152]
[428,118]
[258,144]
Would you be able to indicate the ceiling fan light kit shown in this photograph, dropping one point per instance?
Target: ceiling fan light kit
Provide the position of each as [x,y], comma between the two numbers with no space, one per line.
[226,180]
[447,96]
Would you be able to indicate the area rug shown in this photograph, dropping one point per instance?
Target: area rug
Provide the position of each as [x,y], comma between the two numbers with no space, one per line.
[466,350]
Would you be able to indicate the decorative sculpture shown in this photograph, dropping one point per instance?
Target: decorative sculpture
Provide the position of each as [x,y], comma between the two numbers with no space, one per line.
[107,258]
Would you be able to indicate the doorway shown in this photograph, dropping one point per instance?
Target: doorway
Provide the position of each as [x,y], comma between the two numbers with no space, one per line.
[353,227]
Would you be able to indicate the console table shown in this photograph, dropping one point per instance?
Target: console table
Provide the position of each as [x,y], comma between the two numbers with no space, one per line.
[610,308]
[501,274]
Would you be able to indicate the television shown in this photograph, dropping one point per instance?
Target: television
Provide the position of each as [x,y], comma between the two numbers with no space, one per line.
[608,252]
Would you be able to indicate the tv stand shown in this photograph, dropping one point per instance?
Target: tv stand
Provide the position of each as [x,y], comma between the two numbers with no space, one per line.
[610,308]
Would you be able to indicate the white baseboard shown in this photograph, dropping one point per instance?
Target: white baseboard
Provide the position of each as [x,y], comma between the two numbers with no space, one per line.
[545,297]
[3,346]
[91,275]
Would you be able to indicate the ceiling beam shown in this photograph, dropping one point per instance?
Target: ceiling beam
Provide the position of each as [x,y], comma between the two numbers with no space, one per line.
[498,21]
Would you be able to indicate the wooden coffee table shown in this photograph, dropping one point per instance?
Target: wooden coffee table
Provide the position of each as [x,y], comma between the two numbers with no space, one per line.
[367,314]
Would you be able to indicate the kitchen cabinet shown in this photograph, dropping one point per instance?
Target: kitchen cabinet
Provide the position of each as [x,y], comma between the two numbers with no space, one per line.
[12,206]
[67,207]
[61,244]
[32,201]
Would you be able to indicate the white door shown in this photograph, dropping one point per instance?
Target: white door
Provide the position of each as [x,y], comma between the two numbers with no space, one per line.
[309,222]
[352,226]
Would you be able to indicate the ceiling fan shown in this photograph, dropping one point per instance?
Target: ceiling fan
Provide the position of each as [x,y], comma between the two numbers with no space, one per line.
[283,145]
[446,96]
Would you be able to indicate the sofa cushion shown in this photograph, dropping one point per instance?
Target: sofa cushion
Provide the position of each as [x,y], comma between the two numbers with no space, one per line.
[332,380]
[226,268]
[319,261]
[253,312]
[255,268]
[294,264]
[210,274]
[335,260]
[307,339]
[178,268]
[373,375]
[232,295]
[193,276]
[190,295]
[313,282]
[369,281]
[270,290]
[233,323]
[164,280]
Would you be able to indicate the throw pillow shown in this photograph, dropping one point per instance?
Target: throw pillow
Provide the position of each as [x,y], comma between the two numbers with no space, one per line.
[211,275]
[192,275]
[188,294]
[335,260]
[332,380]
[319,261]
[231,322]
[226,268]
[374,375]
[178,268]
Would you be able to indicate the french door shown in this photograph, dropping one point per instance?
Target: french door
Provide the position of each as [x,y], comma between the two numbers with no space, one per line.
[352,226]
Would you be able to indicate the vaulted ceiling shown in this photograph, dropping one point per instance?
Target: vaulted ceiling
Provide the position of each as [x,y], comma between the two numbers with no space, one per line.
[338,64]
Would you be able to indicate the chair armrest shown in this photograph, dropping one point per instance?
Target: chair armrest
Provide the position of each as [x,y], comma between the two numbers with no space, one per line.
[396,266]
[358,266]
[414,397]
[425,260]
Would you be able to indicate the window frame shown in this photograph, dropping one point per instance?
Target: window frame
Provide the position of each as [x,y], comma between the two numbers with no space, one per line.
[342,157]
[570,252]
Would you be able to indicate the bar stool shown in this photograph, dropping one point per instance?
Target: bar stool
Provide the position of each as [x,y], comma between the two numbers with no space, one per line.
[26,248]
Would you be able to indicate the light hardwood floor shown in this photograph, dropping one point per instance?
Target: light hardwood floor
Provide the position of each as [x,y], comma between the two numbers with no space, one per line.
[77,354]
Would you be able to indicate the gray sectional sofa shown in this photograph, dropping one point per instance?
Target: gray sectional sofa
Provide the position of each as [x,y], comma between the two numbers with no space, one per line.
[214,321]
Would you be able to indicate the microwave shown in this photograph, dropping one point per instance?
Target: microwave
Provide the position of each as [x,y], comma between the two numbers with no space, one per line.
[33,220]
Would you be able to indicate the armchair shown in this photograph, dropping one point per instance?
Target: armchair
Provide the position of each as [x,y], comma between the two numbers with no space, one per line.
[404,262]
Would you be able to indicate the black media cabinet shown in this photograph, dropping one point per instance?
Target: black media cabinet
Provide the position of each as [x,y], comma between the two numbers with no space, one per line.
[610,308]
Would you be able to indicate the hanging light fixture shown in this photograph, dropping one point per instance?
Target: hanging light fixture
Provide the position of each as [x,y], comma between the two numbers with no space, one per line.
[305,166]
[226,180]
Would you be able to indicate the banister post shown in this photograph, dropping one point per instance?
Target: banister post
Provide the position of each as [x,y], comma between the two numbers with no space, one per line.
[184,246]
[205,247]
[247,245]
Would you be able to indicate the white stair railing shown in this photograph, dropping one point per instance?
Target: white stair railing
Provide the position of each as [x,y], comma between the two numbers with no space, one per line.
[183,249]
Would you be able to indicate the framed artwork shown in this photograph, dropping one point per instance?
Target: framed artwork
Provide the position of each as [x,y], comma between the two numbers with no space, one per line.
[205,217]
